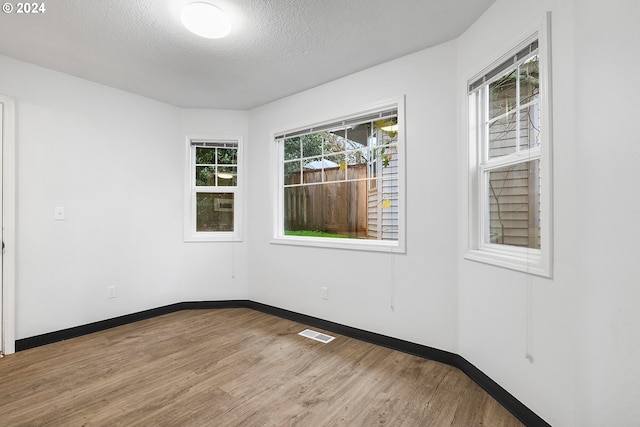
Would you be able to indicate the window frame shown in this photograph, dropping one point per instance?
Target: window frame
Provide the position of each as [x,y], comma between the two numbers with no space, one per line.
[191,191]
[394,246]
[529,260]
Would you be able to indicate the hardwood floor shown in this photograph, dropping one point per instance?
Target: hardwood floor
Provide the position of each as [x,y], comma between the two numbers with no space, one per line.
[233,367]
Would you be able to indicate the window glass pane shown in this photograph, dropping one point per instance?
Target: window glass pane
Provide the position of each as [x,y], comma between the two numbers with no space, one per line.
[357,164]
[292,148]
[389,156]
[356,157]
[530,126]
[383,161]
[334,141]
[214,211]
[388,130]
[340,209]
[502,136]
[376,156]
[313,169]
[529,77]
[312,144]
[205,156]
[339,170]
[514,205]
[227,156]
[355,136]
[292,172]
[502,95]
[357,171]
[374,173]
[227,176]
[315,163]
[205,176]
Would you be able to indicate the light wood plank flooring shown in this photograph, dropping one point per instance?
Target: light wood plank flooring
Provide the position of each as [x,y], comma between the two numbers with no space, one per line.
[233,367]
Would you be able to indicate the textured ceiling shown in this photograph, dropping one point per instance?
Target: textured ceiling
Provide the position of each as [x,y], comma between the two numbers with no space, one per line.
[276,48]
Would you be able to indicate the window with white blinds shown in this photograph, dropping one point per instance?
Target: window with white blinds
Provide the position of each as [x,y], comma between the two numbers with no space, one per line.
[340,182]
[510,164]
[213,202]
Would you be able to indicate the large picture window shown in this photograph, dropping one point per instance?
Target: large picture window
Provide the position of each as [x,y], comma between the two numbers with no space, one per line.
[213,203]
[510,148]
[341,182]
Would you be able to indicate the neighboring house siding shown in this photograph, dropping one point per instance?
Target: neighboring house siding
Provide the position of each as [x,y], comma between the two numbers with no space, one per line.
[514,209]
[383,221]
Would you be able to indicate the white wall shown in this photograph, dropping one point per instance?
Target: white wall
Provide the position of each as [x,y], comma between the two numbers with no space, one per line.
[216,270]
[115,162]
[361,284]
[608,211]
[584,323]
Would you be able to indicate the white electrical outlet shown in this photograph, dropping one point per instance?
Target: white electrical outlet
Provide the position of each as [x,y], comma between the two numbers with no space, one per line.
[111,292]
[324,292]
[59,214]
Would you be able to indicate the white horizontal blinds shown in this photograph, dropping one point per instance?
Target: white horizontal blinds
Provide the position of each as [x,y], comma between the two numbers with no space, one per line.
[214,144]
[511,63]
[380,115]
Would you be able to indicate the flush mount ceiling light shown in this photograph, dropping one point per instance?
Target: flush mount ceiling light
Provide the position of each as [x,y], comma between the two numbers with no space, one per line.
[205,20]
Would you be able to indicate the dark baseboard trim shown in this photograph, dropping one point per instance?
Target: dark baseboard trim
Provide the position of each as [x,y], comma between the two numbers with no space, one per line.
[506,399]
[360,334]
[65,334]
[513,405]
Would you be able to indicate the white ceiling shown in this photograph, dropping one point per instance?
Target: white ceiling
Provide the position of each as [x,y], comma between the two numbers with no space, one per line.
[276,48]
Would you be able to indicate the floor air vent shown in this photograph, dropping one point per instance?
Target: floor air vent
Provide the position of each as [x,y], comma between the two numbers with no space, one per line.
[316,336]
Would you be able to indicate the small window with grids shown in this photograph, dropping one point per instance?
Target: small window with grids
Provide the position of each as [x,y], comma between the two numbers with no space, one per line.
[213,177]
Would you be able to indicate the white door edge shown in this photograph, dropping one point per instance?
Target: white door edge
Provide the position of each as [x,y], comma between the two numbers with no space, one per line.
[8,224]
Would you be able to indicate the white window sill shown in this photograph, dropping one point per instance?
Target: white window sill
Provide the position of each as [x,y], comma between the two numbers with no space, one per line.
[339,243]
[527,261]
[212,237]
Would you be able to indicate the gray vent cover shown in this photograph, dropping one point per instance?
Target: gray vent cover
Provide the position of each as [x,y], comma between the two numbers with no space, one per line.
[318,336]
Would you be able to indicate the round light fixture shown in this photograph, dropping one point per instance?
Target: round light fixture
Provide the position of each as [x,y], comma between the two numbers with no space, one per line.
[205,20]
